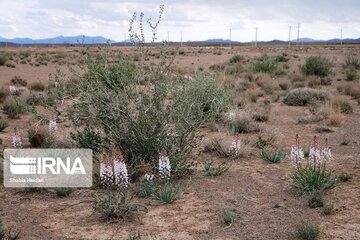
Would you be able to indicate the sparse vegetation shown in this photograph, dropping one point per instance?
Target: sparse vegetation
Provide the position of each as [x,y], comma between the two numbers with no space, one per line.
[216,171]
[272,155]
[307,231]
[317,65]
[117,204]
[303,96]
[167,192]
[229,216]
[3,124]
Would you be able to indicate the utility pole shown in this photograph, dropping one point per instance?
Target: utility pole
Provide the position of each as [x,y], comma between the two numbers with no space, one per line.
[124,39]
[256,29]
[341,36]
[168,36]
[230,37]
[298,35]
[289,36]
[181,39]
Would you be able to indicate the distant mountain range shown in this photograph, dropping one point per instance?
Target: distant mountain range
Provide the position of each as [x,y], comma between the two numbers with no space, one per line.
[304,40]
[60,40]
[101,40]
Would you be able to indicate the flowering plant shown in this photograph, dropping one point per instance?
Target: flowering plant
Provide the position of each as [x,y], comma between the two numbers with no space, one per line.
[311,173]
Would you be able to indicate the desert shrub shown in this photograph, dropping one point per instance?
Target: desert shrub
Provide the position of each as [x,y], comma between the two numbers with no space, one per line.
[212,171]
[272,155]
[307,231]
[167,192]
[316,65]
[14,108]
[343,105]
[352,89]
[242,124]
[352,61]
[24,54]
[17,80]
[351,75]
[218,67]
[297,78]
[259,117]
[35,99]
[236,58]
[37,86]
[40,138]
[229,216]
[344,178]
[281,58]
[4,93]
[87,138]
[166,115]
[336,117]
[315,200]
[63,192]
[3,59]
[328,209]
[302,96]
[118,204]
[264,64]
[3,124]
[233,69]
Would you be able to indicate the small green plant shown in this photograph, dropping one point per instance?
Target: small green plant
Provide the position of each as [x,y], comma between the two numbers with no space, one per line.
[216,171]
[146,189]
[35,99]
[3,59]
[229,216]
[265,64]
[87,138]
[272,155]
[303,96]
[345,178]
[307,231]
[351,75]
[118,204]
[63,192]
[3,124]
[276,205]
[316,65]
[4,93]
[242,124]
[315,200]
[14,109]
[352,61]
[236,58]
[343,105]
[328,209]
[261,117]
[309,178]
[167,192]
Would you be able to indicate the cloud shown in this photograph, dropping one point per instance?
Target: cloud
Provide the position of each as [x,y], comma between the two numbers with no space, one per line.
[196,19]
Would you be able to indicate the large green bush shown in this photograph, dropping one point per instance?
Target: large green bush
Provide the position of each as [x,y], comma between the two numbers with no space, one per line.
[147,111]
[316,65]
[303,96]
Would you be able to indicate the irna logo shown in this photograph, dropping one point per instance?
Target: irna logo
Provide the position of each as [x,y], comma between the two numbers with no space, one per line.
[46,165]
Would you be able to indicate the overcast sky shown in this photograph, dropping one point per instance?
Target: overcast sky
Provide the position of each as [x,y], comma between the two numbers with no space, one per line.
[197,19]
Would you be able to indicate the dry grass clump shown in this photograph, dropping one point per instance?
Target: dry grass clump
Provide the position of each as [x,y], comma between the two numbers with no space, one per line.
[37,86]
[40,137]
[17,80]
[336,117]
